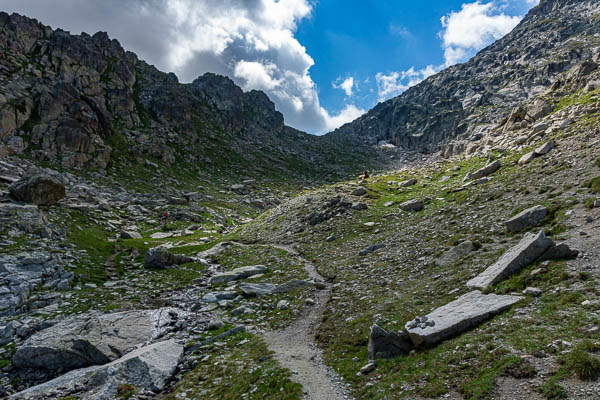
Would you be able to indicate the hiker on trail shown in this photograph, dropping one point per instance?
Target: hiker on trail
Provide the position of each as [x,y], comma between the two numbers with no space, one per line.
[165,219]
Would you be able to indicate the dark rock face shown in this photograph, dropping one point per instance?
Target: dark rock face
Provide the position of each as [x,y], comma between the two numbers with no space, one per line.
[551,39]
[384,344]
[38,189]
[77,85]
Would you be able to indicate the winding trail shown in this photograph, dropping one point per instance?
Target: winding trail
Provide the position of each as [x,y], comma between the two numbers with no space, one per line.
[296,350]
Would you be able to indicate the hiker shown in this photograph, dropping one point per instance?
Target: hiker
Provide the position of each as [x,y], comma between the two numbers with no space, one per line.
[165,219]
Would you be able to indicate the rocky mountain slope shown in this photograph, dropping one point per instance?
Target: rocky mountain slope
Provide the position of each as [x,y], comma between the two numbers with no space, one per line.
[82,102]
[466,100]
[469,277]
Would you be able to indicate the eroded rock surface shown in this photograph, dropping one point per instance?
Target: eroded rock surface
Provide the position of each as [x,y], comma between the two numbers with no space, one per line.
[95,339]
[529,249]
[454,318]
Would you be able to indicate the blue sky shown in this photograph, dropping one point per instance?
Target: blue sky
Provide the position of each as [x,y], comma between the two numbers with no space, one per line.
[322,62]
[371,37]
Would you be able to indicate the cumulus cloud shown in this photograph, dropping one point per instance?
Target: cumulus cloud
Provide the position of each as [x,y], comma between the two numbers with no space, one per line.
[251,41]
[394,83]
[347,85]
[473,27]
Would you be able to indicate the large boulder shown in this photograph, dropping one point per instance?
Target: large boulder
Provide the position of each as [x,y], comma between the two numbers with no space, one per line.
[412,205]
[456,317]
[148,368]
[529,249]
[92,339]
[38,189]
[386,344]
[487,170]
[525,219]
[162,258]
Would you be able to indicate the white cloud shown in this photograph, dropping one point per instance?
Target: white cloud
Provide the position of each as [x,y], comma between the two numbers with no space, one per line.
[347,85]
[348,114]
[395,83]
[257,75]
[472,28]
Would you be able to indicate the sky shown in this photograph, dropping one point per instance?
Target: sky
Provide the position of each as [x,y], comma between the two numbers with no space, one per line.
[322,62]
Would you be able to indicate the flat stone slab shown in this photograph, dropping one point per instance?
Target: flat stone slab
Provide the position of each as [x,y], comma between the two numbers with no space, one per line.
[149,368]
[215,297]
[530,217]
[529,249]
[257,289]
[92,339]
[238,273]
[456,317]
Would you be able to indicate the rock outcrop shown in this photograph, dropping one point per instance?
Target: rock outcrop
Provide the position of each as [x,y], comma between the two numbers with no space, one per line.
[453,318]
[493,90]
[148,368]
[83,341]
[529,249]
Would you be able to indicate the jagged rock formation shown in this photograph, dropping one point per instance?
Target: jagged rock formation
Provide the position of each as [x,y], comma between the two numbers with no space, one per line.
[469,99]
[82,101]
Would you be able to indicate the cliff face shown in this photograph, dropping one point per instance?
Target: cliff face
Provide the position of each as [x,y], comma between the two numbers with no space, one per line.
[467,100]
[77,100]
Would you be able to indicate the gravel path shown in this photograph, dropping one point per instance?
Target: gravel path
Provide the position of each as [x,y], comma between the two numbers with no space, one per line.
[296,350]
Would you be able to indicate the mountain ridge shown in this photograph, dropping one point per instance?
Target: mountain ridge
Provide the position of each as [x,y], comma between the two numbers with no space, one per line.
[452,104]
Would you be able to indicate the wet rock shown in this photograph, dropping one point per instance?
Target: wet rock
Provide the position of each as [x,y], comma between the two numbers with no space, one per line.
[162,258]
[454,318]
[385,344]
[527,218]
[93,339]
[149,368]
[237,274]
[529,249]
[38,189]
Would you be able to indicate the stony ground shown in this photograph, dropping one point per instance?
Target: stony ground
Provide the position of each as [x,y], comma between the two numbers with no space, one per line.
[326,264]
